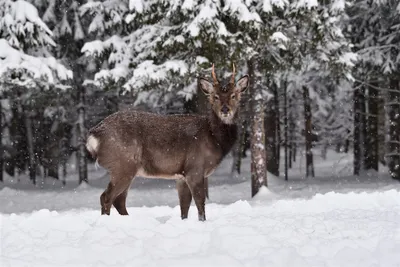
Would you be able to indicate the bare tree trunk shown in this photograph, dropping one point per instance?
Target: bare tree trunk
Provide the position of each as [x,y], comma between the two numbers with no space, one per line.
[239,147]
[82,160]
[270,139]
[258,156]
[294,149]
[64,173]
[364,131]
[308,133]
[278,129]
[372,158]
[286,128]
[31,152]
[1,143]
[382,126]
[357,130]
[360,130]
[292,129]
[347,143]
[393,105]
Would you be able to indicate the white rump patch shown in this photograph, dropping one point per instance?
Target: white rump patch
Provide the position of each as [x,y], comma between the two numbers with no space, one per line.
[92,144]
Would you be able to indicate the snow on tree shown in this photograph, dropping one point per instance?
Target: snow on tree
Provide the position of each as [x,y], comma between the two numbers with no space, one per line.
[163,52]
[22,34]
[16,67]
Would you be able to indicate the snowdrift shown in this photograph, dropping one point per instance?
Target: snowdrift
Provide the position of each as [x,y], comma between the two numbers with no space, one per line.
[327,230]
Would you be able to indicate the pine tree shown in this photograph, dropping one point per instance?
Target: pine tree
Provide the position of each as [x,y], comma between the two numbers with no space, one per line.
[67,23]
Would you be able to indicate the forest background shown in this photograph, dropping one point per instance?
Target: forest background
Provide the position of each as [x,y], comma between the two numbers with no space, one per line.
[324,75]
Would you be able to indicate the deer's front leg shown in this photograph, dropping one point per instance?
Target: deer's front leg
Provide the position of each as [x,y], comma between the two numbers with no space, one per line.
[185,197]
[196,185]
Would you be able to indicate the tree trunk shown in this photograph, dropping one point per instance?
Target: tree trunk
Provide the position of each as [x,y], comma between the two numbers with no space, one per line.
[364,129]
[270,139]
[357,130]
[286,128]
[292,129]
[308,133]
[1,143]
[360,130]
[31,148]
[393,106]
[382,126]
[239,147]
[372,158]
[258,156]
[294,149]
[82,160]
[278,129]
[347,142]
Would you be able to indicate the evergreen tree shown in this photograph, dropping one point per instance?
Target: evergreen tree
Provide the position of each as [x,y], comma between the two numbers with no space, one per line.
[68,26]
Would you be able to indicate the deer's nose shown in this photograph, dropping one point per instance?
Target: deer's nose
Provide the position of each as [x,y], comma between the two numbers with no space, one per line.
[224,109]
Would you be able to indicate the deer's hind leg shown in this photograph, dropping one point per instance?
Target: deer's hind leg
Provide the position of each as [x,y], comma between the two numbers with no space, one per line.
[116,192]
[120,202]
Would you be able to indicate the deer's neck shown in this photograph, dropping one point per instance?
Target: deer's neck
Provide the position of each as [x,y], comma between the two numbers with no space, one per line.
[224,134]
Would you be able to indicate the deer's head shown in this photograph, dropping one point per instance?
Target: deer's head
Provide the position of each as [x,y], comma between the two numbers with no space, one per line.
[224,98]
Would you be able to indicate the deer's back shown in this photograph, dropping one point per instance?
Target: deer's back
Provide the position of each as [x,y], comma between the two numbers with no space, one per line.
[150,127]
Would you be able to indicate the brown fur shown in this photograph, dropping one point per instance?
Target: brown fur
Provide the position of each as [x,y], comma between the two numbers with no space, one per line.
[187,148]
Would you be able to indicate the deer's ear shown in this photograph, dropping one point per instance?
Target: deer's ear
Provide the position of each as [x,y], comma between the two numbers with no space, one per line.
[206,86]
[242,84]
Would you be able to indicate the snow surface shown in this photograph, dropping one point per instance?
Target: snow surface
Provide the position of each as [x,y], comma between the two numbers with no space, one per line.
[330,230]
[334,219]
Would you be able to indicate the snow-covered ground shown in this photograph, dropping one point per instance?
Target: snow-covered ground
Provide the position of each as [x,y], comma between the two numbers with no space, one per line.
[332,220]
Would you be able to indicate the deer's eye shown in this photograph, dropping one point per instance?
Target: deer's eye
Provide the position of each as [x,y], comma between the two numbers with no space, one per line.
[233,96]
[216,97]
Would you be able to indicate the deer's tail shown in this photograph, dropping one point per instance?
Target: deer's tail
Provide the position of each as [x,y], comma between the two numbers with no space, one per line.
[92,145]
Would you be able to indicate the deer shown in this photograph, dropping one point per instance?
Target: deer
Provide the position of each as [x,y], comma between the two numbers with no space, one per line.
[183,147]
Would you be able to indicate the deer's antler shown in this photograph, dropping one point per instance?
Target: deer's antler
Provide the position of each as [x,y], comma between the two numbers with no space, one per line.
[233,73]
[213,75]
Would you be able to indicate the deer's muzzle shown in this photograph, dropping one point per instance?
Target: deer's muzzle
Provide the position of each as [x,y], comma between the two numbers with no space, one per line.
[224,110]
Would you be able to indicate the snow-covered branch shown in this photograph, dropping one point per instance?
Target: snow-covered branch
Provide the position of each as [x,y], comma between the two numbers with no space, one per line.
[14,63]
